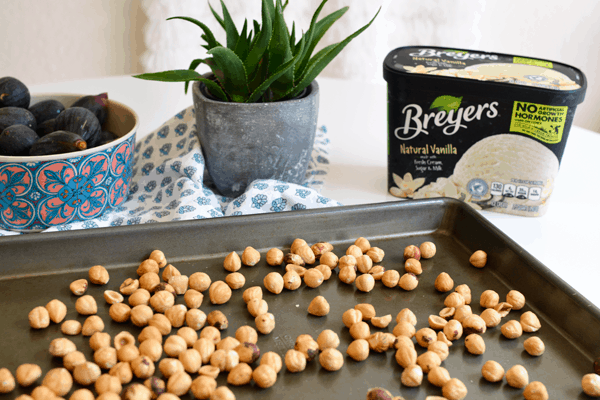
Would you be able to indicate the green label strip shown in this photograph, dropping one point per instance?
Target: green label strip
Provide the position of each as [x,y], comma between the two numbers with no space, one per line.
[545,123]
[532,61]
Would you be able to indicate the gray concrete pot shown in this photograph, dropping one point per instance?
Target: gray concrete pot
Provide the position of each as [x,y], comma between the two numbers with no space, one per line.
[242,142]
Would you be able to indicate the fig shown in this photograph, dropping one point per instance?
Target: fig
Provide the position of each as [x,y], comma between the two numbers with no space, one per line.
[97,104]
[45,110]
[46,127]
[16,116]
[13,93]
[58,142]
[106,137]
[81,121]
[16,140]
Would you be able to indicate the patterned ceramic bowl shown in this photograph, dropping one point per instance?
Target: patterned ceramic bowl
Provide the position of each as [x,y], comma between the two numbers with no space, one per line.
[38,192]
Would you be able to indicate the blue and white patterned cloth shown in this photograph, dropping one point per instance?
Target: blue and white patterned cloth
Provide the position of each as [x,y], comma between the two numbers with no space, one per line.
[170,183]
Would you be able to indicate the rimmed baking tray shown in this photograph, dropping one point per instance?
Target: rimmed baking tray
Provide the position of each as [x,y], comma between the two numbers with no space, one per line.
[38,268]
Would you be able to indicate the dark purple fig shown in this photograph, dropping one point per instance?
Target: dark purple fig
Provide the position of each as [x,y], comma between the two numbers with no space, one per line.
[46,127]
[16,116]
[97,104]
[13,93]
[58,142]
[16,140]
[45,110]
[81,121]
[106,137]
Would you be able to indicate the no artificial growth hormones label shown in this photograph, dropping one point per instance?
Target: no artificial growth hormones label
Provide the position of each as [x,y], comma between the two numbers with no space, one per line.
[545,123]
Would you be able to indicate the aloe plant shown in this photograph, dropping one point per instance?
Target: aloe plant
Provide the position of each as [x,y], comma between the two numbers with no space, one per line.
[262,63]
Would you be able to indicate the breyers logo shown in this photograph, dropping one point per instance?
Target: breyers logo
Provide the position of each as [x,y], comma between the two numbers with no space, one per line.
[456,54]
[449,116]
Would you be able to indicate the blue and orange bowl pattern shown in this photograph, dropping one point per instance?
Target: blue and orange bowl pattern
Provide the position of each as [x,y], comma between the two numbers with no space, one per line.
[44,191]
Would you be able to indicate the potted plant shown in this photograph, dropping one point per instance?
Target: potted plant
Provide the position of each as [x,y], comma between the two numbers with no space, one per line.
[256,113]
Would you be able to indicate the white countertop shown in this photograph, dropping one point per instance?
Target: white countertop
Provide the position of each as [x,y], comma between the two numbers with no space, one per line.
[564,239]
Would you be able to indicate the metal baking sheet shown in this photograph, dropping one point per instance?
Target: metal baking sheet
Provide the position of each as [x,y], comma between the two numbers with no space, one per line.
[39,267]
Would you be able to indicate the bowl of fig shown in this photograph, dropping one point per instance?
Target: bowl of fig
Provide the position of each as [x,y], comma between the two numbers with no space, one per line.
[63,157]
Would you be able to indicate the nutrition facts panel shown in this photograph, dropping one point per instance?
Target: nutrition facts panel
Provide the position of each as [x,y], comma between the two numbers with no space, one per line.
[520,192]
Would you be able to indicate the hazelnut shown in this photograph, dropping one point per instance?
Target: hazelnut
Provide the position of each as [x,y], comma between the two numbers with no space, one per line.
[441,337]
[321,248]
[438,376]
[443,282]
[149,332]
[390,278]
[535,391]
[27,374]
[511,329]
[174,345]
[129,286]
[295,361]
[99,340]
[530,322]
[57,310]
[306,253]
[240,375]
[491,317]
[106,357]
[139,297]
[313,277]
[412,376]
[428,360]
[159,257]
[191,360]
[473,324]
[347,261]
[354,250]
[170,271]
[440,348]
[358,350]
[128,353]
[179,283]
[360,330]
[122,371]
[219,292]
[123,338]
[381,322]
[247,352]
[447,312]
[517,377]
[91,325]
[254,292]
[465,292]
[246,334]
[408,281]
[209,370]
[347,275]
[296,244]
[293,259]
[136,391]
[462,312]
[331,359]
[218,320]
[455,300]
[328,339]
[534,346]
[78,287]
[233,262]
[257,307]
[179,383]
[413,265]
[489,299]
[264,376]
[406,315]
[86,374]
[170,366]
[351,316]
[475,344]
[147,266]
[265,323]
[330,259]
[478,259]
[250,256]
[404,328]
[203,386]
[453,330]
[425,336]
[590,383]
[79,394]
[318,306]
[503,308]
[199,281]
[235,280]
[436,322]
[211,333]
[113,297]
[454,389]
[367,311]
[98,275]
[381,342]
[193,298]
[273,360]
[188,334]
[363,244]
[306,345]
[176,315]
[412,251]
[149,281]
[39,318]
[377,272]
[86,305]
[291,280]
[376,254]
[156,385]
[119,312]
[515,299]
[492,371]
[228,343]
[225,360]
[141,315]
[142,367]
[150,348]
[273,282]
[427,249]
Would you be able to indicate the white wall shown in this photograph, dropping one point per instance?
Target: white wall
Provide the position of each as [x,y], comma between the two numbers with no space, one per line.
[72,39]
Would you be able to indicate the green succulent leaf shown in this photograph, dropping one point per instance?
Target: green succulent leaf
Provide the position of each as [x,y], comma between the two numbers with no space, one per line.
[242,47]
[232,68]
[285,5]
[322,59]
[208,35]
[184,75]
[262,43]
[280,52]
[230,29]
[293,37]
[217,16]
[316,33]
[193,65]
[258,93]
